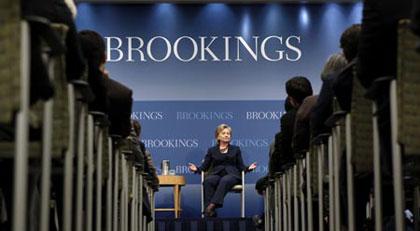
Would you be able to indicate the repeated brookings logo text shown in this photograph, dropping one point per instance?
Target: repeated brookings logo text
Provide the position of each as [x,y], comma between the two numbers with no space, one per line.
[147,115]
[204,115]
[249,142]
[171,143]
[263,115]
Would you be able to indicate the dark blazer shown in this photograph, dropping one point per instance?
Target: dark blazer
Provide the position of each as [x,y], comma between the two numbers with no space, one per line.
[282,156]
[342,86]
[378,38]
[120,103]
[231,162]
[415,19]
[323,107]
[301,135]
[98,85]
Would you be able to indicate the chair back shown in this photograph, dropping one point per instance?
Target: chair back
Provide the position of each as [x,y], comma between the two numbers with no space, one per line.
[361,130]
[61,123]
[10,59]
[408,84]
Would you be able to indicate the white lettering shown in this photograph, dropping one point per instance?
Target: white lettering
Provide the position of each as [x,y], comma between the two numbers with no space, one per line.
[227,57]
[264,52]
[131,49]
[109,49]
[272,48]
[207,49]
[293,48]
[168,48]
[242,41]
[176,52]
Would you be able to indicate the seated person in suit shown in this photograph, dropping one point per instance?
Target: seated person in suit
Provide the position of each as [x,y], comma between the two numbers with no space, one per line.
[110,97]
[227,164]
[93,47]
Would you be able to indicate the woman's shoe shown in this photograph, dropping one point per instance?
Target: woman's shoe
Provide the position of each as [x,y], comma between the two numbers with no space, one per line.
[210,210]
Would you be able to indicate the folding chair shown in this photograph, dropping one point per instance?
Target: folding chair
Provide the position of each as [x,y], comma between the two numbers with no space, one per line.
[405,114]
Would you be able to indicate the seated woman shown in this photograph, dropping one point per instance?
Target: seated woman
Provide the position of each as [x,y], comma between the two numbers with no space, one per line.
[226,166]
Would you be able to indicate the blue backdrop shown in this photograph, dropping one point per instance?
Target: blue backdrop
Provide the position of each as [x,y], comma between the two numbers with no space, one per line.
[192,67]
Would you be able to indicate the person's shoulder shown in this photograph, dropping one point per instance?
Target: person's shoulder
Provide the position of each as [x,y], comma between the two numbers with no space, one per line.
[212,149]
[289,114]
[234,147]
[310,100]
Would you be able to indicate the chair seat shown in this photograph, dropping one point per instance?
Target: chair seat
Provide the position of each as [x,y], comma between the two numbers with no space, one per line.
[237,188]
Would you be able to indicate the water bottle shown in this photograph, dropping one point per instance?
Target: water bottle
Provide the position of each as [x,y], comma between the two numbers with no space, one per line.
[165,167]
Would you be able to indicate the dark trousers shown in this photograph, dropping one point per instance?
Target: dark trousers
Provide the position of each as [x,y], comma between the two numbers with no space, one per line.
[216,187]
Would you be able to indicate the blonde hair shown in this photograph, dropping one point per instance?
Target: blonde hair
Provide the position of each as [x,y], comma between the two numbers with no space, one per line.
[335,63]
[220,128]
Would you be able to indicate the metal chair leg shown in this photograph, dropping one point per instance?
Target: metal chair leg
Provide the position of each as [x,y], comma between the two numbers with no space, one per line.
[301,195]
[140,216]
[243,195]
[277,218]
[295,199]
[22,136]
[267,214]
[122,197]
[90,164]
[109,197]
[309,191]
[349,167]
[337,161]
[149,194]
[124,194]
[68,164]
[47,133]
[152,202]
[396,160]
[289,192]
[115,193]
[331,216]
[273,209]
[284,196]
[377,171]
[99,181]
[134,200]
[266,210]
[273,206]
[321,152]
[202,195]
[80,167]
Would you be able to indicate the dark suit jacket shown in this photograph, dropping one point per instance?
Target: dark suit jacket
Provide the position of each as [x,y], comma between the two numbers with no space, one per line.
[120,103]
[378,38]
[98,85]
[301,135]
[231,162]
[323,108]
[282,156]
[415,25]
[343,86]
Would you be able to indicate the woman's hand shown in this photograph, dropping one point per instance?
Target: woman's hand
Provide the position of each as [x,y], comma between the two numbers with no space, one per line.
[192,167]
[252,166]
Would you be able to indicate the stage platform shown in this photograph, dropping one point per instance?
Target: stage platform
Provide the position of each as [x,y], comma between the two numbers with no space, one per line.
[207,224]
